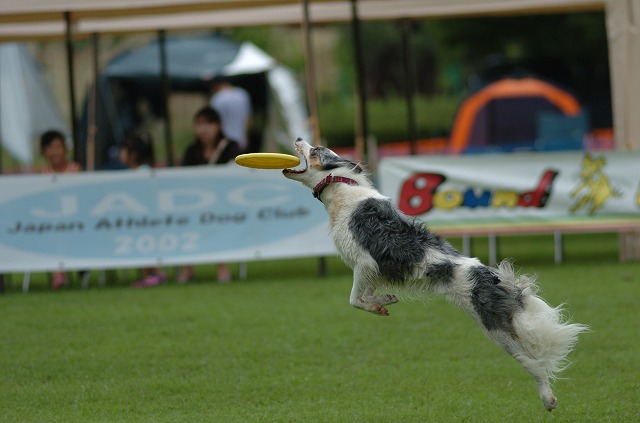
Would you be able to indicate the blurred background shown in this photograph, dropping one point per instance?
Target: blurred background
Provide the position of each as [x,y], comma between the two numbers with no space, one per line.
[448,59]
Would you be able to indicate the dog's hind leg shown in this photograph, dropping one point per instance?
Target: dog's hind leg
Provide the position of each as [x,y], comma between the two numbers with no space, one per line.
[540,341]
[542,380]
[362,294]
[546,395]
[512,345]
[533,332]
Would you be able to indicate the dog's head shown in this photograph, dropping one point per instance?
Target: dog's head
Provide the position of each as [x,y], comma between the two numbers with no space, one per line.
[319,162]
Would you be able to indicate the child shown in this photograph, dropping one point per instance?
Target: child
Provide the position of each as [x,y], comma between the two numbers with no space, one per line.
[54,150]
[136,152]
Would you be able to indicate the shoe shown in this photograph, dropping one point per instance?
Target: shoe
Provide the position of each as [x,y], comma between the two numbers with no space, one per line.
[151,280]
[58,280]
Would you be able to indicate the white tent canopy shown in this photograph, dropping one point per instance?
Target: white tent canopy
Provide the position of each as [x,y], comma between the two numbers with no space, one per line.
[45,18]
[250,59]
[27,107]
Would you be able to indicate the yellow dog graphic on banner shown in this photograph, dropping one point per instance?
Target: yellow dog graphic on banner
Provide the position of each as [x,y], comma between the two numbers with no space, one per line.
[595,188]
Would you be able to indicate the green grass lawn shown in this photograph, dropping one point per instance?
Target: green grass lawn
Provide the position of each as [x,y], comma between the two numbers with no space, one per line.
[286,346]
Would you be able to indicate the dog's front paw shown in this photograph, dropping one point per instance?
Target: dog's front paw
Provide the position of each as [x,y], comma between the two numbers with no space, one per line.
[371,306]
[380,310]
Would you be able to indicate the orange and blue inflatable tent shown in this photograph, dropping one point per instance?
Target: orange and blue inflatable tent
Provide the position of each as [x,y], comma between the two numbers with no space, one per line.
[505,115]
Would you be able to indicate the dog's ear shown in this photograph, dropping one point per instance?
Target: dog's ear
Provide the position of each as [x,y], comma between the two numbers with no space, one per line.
[357,168]
[354,167]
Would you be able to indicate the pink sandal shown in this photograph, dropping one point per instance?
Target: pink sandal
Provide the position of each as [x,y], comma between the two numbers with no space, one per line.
[151,280]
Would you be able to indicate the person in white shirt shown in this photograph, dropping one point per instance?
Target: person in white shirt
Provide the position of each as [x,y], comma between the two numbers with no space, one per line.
[234,106]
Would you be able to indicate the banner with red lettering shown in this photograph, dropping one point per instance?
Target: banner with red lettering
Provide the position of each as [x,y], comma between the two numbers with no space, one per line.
[567,189]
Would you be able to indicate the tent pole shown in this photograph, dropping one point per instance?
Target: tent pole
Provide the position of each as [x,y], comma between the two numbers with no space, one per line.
[409,85]
[1,147]
[72,91]
[310,74]
[166,90]
[361,109]
[1,157]
[93,102]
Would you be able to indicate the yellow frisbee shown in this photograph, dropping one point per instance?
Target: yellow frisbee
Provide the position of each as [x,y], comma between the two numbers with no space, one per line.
[267,160]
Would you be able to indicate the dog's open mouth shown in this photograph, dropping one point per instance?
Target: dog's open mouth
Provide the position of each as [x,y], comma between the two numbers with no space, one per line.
[303,165]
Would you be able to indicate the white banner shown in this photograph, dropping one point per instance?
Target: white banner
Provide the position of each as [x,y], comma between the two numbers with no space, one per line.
[569,190]
[156,217]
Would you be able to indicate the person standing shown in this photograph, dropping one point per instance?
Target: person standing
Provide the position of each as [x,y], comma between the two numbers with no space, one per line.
[234,106]
[210,146]
[54,150]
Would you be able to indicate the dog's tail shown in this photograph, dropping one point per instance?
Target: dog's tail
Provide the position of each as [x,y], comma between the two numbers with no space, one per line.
[543,336]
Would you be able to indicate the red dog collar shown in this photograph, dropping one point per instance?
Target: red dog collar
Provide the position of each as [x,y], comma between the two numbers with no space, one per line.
[317,190]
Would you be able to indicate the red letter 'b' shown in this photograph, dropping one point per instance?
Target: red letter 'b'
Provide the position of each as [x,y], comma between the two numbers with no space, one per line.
[416,195]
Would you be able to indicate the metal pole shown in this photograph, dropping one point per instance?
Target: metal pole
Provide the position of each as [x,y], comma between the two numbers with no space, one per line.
[362,124]
[166,91]
[310,77]
[466,245]
[1,156]
[322,267]
[77,156]
[557,247]
[93,106]
[493,249]
[1,148]
[409,87]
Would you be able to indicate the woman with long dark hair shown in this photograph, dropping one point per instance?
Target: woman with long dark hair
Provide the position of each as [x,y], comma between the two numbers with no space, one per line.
[210,146]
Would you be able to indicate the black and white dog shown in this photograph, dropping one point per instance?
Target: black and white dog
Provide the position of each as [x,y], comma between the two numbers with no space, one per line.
[390,252]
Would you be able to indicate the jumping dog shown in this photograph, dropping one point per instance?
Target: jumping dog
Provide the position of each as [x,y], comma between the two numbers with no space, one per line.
[389,252]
